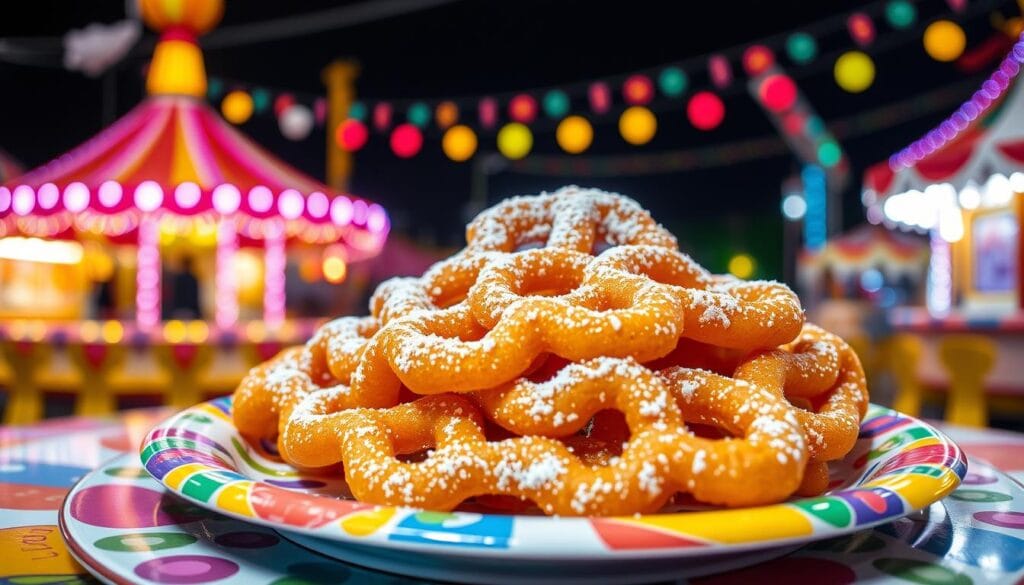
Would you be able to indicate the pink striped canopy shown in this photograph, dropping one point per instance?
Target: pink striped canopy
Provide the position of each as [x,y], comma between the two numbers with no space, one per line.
[173,155]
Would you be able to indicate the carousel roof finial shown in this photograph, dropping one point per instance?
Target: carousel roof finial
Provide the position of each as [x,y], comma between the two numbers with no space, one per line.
[177,67]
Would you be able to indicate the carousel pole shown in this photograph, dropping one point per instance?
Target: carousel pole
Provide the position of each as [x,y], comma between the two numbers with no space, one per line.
[147,274]
[226,295]
[274,263]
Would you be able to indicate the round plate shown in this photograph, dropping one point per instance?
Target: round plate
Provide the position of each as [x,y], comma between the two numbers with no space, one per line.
[898,466]
[984,517]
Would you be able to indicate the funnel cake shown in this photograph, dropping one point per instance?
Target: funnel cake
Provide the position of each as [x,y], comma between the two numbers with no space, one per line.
[559,359]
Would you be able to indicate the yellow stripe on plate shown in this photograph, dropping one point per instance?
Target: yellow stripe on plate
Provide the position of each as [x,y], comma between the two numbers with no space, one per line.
[178,475]
[234,497]
[733,526]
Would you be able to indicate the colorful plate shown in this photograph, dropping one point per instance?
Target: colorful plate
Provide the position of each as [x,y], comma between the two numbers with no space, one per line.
[973,536]
[899,465]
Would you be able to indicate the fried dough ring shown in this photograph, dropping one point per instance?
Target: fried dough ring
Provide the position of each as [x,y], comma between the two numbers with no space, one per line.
[660,458]
[818,364]
[570,218]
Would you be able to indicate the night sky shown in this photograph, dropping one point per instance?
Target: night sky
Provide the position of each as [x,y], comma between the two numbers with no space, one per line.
[476,48]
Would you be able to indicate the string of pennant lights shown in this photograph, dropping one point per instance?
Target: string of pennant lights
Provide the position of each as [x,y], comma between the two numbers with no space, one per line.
[512,118]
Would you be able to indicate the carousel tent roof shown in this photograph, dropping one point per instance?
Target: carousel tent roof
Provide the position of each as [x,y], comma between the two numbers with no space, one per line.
[174,156]
[974,150]
[870,246]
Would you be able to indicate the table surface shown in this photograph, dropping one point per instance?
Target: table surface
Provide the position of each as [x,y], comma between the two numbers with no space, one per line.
[40,463]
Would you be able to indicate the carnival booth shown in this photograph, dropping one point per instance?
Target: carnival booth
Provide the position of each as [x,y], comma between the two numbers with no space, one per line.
[855,275]
[961,184]
[167,194]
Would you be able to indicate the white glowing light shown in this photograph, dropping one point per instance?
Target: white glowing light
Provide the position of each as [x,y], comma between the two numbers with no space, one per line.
[794,206]
[226,199]
[39,250]
[48,196]
[5,199]
[23,200]
[951,224]
[341,210]
[290,204]
[149,196]
[76,197]
[970,197]
[998,191]
[261,199]
[376,219]
[187,194]
[317,205]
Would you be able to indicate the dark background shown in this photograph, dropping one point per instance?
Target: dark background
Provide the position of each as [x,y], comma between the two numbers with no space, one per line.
[477,48]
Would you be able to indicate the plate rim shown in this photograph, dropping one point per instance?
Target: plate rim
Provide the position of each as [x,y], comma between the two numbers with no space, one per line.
[703,546]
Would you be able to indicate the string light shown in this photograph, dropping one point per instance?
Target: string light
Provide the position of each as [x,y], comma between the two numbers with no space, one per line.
[991,91]
[446,114]
[944,40]
[418,114]
[237,107]
[854,71]
[637,125]
[459,143]
[672,81]
[523,108]
[556,104]
[801,48]
[515,141]
[351,135]
[757,58]
[778,92]
[406,140]
[638,90]
[705,110]
[574,134]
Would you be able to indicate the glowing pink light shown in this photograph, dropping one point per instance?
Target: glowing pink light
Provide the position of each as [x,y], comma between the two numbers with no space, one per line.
[186,195]
[149,196]
[261,199]
[23,200]
[147,276]
[5,199]
[290,204]
[341,210]
[226,199]
[76,197]
[991,90]
[317,205]
[226,295]
[109,193]
[359,211]
[376,219]
[48,195]
[274,264]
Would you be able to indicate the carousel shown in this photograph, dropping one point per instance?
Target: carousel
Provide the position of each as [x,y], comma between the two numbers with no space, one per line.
[100,244]
[961,184]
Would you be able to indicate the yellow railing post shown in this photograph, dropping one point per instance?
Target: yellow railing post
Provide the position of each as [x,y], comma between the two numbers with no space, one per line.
[339,78]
